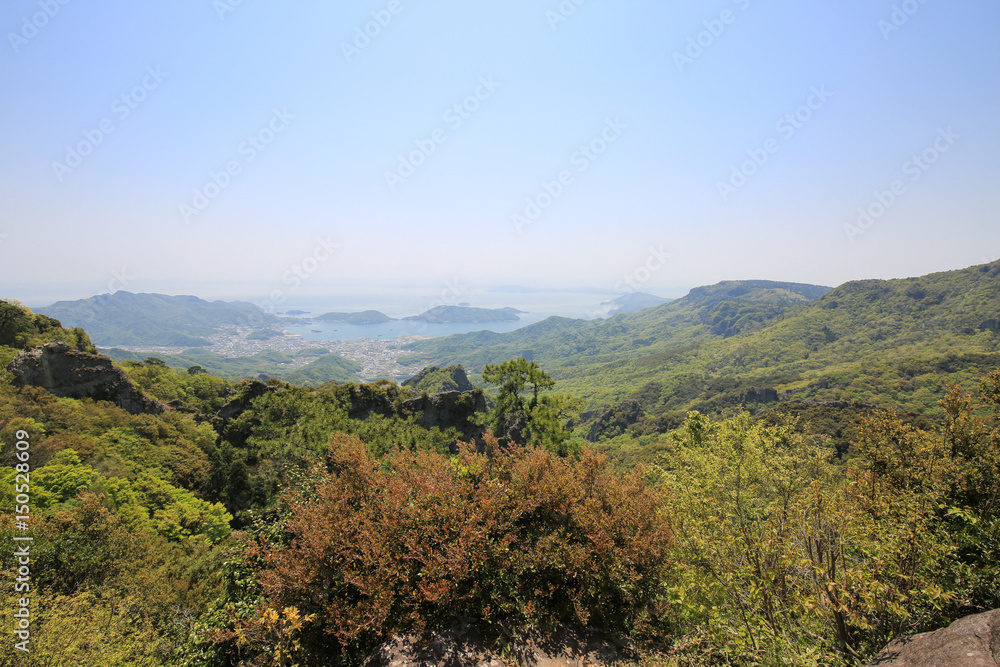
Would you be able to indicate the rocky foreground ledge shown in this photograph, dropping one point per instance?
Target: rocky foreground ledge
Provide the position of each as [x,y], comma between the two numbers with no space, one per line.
[66,372]
[973,641]
[462,645]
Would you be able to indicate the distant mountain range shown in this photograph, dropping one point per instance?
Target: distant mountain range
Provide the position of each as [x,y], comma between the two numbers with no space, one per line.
[124,318]
[896,343]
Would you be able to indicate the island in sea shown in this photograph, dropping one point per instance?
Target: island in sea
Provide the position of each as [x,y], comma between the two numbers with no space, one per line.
[437,315]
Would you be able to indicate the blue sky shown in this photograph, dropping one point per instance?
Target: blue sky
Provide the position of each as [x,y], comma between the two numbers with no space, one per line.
[259,148]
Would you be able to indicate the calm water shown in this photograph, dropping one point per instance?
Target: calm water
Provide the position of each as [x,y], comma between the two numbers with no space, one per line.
[344,331]
[538,306]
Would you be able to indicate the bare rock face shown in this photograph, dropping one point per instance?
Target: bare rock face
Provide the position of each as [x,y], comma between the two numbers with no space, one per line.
[973,641]
[65,372]
[449,409]
[462,645]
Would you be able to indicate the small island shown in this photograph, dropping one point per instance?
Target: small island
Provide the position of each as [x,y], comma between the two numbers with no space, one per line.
[364,317]
[453,314]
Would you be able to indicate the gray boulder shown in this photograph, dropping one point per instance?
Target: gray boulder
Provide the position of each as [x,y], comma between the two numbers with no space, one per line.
[973,641]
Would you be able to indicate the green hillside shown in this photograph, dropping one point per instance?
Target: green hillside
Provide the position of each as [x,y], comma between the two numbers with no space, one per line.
[894,342]
[272,363]
[564,345]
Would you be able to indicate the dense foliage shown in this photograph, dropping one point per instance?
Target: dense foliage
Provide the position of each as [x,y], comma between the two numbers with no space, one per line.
[536,417]
[516,538]
[21,328]
[785,558]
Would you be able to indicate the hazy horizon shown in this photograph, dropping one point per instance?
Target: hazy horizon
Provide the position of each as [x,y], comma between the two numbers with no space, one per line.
[238,149]
[448,292]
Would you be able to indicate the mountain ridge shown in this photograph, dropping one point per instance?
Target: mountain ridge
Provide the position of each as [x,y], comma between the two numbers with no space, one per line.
[878,341]
[125,318]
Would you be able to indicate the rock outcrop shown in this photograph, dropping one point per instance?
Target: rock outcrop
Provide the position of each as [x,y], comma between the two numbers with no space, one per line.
[66,372]
[435,379]
[973,641]
[449,409]
[463,645]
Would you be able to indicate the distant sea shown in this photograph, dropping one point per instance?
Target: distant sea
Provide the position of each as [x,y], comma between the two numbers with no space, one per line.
[538,305]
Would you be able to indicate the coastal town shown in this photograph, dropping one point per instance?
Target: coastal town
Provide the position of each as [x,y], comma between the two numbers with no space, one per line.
[378,357]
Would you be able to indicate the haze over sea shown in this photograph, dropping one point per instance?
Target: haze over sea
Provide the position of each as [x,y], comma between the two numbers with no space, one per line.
[537,305]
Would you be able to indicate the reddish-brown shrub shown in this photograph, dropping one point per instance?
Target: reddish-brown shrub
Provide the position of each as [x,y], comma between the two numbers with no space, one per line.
[512,538]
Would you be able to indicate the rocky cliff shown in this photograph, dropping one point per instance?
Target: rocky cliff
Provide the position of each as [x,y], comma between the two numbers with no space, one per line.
[450,409]
[65,372]
[435,379]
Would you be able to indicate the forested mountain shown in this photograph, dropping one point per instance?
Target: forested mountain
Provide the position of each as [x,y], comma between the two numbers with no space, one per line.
[557,342]
[124,318]
[892,342]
